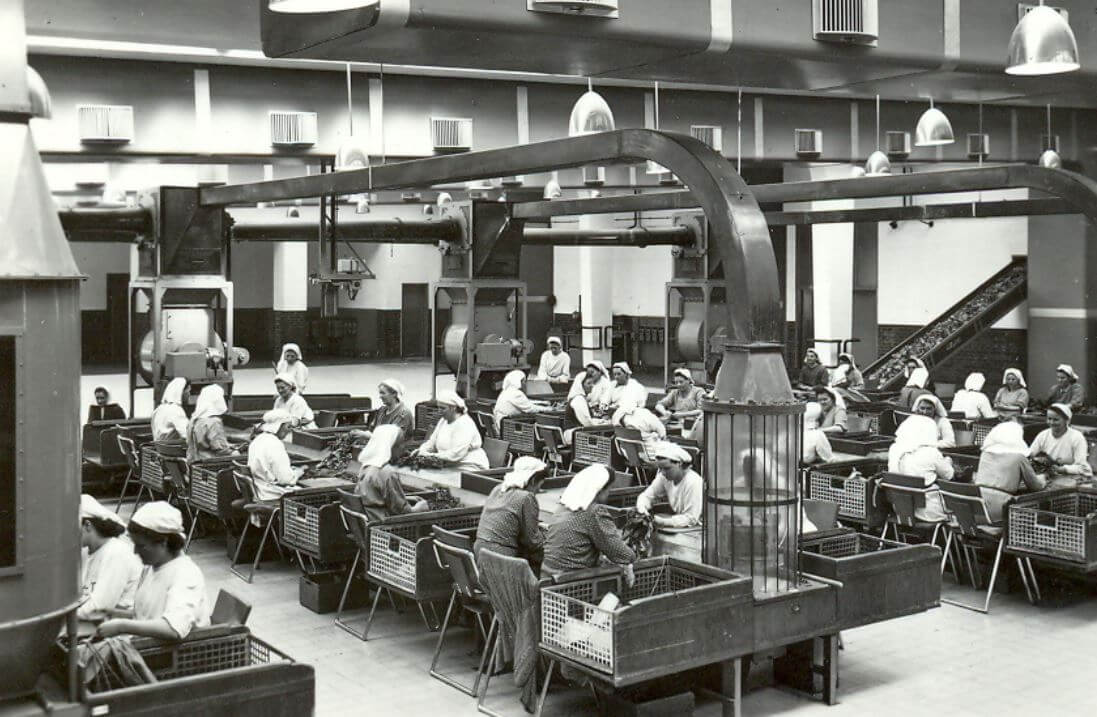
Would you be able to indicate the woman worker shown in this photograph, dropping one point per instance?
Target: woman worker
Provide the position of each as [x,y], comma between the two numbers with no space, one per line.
[582,532]
[971,401]
[651,429]
[1013,396]
[456,439]
[1064,446]
[846,374]
[578,413]
[931,407]
[171,596]
[834,418]
[1067,389]
[555,364]
[103,409]
[169,420]
[378,485]
[268,460]
[916,386]
[913,363]
[291,363]
[509,523]
[1004,467]
[816,444]
[513,401]
[812,372]
[206,433]
[684,400]
[110,573]
[679,484]
[598,395]
[915,453]
[292,402]
[393,411]
[626,389]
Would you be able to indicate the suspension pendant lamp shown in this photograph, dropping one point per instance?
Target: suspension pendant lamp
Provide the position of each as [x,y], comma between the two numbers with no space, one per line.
[1050,159]
[933,128]
[590,114]
[1042,44]
[318,6]
[878,163]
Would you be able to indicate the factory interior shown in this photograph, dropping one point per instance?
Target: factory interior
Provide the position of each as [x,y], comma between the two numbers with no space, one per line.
[561,357]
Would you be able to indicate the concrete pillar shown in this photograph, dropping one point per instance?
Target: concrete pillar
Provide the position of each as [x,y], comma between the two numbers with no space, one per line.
[291,293]
[866,278]
[596,288]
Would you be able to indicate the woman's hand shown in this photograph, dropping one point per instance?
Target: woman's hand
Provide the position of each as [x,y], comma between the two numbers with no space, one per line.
[112,628]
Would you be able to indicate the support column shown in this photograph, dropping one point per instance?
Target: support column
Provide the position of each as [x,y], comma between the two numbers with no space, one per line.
[596,288]
[291,294]
[866,277]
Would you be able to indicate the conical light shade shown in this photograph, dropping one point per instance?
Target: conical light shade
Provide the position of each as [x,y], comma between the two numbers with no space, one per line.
[1042,44]
[933,129]
[590,114]
[878,164]
[310,6]
[352,154]
[1050,160]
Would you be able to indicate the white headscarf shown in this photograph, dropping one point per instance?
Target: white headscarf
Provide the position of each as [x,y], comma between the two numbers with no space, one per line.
[396,387]
[160,516]
[1068,370]
[938,407]
[684,373]
[295,348]
[812,413]
[839,402]
[1014,372]
[211,402]
[1063,410]
[852,361]
[378,452]
[975,381]
[513,380]
[624,367]
[451,398]
[918,377]
[598,365]
[91,508]
[585,487]
[674,452]
[173,392]
[274,419]
[555,340]
[627,408]
[1006,437]
[287,378]
[520,473]
[913,433]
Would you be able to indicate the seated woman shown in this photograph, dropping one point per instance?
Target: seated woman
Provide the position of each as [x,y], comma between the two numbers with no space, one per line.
[1067,390]
[846,374]
[816,444]
[582,533]
[169,420]
[598,395]
[1012,397]
[292,402]
[512,401]
[555,364]
[1064,447]
[626,390]
[915,453]
[206,433]
[812,372]
[679,484]
[913,363]
[456,439]
[971,401]
[171,596]
[393,411]
[578,413]
[931,407]
[1004,467]
[916,386]
[684,400]
[103,409]
[834,418]
[291,363]
[651,429]
[509,523]
[378,485]
[108,580]
[268,460]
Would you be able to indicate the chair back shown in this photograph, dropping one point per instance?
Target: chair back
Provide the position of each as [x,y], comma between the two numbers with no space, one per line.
[454,551]
[486,423]
[906,495]
[497,450]
[552,438]
[965,503]
[355,520]
[633,450]
[128,447]
[242,475]
[823,513]
[178,470]
[229,610]
[325,419]
[499,575]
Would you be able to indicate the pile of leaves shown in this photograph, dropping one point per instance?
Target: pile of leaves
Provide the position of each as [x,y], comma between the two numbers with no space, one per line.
[636,532]
[336,461]
[420,461]
[441,499]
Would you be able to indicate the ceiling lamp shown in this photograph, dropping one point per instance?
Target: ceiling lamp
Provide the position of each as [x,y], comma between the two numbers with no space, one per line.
[1042,44]
[933,128]
[315,6]
[1050,159]
[878,163]
[590,114]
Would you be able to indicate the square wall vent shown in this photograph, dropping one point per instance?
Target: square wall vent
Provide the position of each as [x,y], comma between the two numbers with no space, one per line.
[808,142]
[292,129]
[711,135]
[105,124]
[848,21]
[897,144]
[978,145]
[451,134]
[590,8]
[1049,141]
[594,176]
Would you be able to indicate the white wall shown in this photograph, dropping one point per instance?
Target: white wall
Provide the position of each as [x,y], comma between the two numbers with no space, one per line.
[96,261]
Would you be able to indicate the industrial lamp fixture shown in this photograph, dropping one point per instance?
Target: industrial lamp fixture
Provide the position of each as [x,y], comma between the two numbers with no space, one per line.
[1050,159]
[878,163]
[317,6]
[933,128]
[590,114]
[1042,44]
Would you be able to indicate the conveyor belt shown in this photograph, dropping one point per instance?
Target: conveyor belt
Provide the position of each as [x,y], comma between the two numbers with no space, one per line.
[954,328]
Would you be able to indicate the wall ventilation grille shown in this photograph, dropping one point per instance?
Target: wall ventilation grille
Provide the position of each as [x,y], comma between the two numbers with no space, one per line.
[594,176]
[850,21]
[808,142]
[897,144]
[292,129]
[711,135]
[978,145]
[105,124]
[451,134]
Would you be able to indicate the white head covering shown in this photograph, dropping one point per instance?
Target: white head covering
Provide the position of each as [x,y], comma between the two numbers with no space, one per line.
[513,380]
[160,516]
[975,381]
[920,362]
[684,373]
[1063,410]
[450,398]
[938,407]
[598,365]
[839,402]
[624,367]
[673,451]
[274,419]
[396,386]
[918,377]
[211,402]
[173,392]
[812,413]
[295,348]
[555,340]
[852,361]
[1068,370]
[1006,437]
[287,378]
[378,452]
[624,410]
[584,487]
[914,432]
[91,508]
[520,473]
[1014,372]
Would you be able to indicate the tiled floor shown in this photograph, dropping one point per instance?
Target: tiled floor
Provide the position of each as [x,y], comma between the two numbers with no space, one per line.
[1020,659]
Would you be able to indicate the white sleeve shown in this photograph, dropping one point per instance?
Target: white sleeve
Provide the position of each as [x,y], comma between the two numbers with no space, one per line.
[279,466]
[300,409]
[822,447]
[656,489]
[541,372]
[691,502]
[582,411]
[463,441]
[948,436]
[567,363]
[110,583]
[985,409]
[431,444]
[184,603]
[302,378]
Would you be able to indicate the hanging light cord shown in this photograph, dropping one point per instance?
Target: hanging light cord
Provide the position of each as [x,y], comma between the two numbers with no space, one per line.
[739,135]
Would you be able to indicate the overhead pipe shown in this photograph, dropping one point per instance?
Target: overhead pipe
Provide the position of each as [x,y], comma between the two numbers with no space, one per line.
[123,224]
[378,231]
[660,236]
